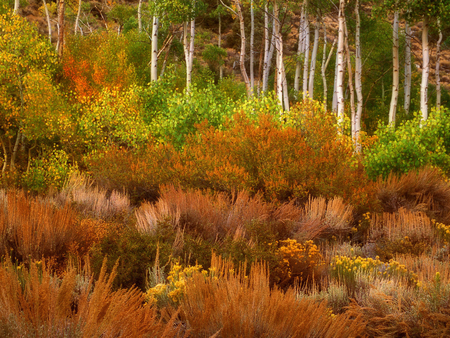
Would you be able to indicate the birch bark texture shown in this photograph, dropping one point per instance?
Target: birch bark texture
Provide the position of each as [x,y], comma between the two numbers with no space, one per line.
[356,124]
[340,65]
[396,70]
[438,63]
[425,70]
[312,70]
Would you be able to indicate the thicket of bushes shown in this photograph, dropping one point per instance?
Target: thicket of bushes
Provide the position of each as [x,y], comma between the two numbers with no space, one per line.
[214,214]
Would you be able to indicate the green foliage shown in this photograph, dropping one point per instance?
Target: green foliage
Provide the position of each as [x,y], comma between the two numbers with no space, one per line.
[122,13]
[113,118]
[412,145]
[50,170]
[214,56]
[136,253]
[178,115]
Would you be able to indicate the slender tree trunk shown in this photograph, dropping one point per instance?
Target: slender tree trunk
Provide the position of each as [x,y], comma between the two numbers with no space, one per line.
[16,6]
[242,54]
[169,45]
[252,54]
[279,55]
[140,16]
[285,87]
[358,81]
[408,71]
[425,70]
[306,59]
[312,70]
[340,72]
[350,81]
[325,66]
[300,51]
[396,72]
[49,24]
[266,47]
[154,60]
[5,160]
[324,56]
[438,63]
[334,102]
[188,44]
[268,51]
[220,45]
[77,18]
[191,50]
[61,10]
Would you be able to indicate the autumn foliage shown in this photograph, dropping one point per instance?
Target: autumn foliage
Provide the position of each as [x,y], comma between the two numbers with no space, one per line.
[263,157]
[96,62]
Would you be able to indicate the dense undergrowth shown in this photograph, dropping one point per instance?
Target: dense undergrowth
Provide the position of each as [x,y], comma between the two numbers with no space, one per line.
[136,210]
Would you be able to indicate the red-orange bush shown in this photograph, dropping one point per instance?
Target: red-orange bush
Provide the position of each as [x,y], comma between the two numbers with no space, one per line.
[281,162]
[92,63]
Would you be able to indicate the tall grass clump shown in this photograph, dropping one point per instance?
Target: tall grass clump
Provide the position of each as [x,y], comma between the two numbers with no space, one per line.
[239,305]
[36,303]
[32,228]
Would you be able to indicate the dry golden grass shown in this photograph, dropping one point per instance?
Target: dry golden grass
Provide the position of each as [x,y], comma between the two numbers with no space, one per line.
[33,228]
[396,226]
[34,303]
[325,218]
[425,190]
[238,306]
[212,216]
[93,201]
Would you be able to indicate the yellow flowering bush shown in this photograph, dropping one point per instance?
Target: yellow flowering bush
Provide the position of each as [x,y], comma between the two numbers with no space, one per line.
[443,231]
[297,261]
[348,270]
[174,288]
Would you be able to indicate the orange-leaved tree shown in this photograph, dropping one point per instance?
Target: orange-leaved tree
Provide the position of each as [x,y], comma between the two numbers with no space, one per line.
[96,62]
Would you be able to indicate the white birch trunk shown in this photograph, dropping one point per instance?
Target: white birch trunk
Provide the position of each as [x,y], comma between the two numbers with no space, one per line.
[334,102]
[242,54]
[279,55]
[285,87]
[306,59]
[340,70]
[268,56]
[16,6]
[191,50]
[252,34]
[49,24]
[188,45]
[154,60]
[139,13]
[396,72]
[324,78]
[408,71]
[438,63]
[312,70]
[300,50]
[77,20]
[425,70]
[350,82]
[358,82]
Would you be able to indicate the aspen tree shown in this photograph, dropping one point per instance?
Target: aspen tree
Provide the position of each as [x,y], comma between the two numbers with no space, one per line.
[340,65]
[396,70]
[356,124]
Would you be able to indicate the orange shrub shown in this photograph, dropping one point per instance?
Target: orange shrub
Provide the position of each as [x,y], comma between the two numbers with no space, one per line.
[263,156]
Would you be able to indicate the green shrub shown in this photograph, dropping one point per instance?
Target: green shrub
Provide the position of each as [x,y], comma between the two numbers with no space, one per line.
[412,145]
[51,169]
